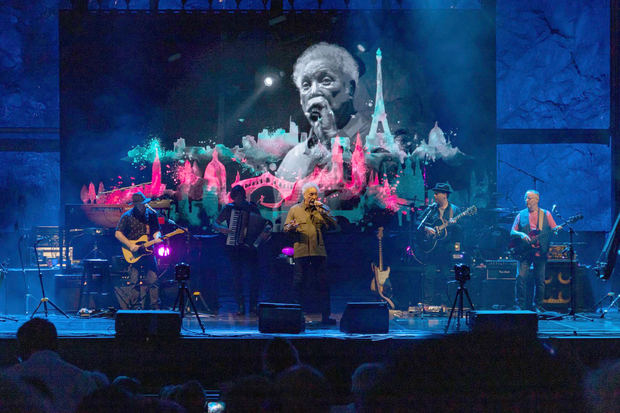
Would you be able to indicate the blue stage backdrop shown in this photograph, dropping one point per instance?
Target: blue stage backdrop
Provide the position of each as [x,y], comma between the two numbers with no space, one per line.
[576,178]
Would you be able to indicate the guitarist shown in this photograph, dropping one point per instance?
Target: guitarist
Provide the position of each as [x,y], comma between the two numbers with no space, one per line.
[532,218]
[438,261]
[134,223]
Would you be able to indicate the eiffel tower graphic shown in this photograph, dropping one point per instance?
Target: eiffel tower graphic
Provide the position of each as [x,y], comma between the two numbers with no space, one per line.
[376,138]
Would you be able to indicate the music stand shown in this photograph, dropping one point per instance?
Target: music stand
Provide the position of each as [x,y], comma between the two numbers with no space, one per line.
[44,300]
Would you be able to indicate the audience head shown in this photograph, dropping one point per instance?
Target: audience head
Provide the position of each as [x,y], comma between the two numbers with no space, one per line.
[363,381]
[130,384]
[35,335]
[303,389]
[191,396]
[250,394]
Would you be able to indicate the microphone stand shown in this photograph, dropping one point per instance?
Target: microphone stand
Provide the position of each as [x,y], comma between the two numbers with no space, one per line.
[44,300]
[571,270]
[534,177]
[425,216]
[21,261]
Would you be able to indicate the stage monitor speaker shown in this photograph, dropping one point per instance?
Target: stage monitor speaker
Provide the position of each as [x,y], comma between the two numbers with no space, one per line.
[365,318]
[142,324]
[523,323]
[280,318]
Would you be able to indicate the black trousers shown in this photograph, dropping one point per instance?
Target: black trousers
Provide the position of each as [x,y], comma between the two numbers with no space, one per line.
[523,279]
[312,270]
[244,262]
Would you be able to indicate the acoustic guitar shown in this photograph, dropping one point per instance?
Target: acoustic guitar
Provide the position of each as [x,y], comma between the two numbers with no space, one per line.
[441,229]
[380,275]
[144,244]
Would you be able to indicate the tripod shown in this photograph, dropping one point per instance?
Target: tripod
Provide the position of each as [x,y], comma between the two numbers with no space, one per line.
[459,297]
[182,296]
[44,300]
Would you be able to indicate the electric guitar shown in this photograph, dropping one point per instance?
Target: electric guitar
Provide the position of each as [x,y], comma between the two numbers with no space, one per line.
[522,249]
[144,244]
[441,229]
[380,275]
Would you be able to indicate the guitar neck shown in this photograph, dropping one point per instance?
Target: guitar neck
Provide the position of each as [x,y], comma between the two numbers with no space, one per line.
[163,237]
[380,256]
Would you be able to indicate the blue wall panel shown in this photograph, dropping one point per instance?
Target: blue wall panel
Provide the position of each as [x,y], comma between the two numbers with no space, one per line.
[553,64]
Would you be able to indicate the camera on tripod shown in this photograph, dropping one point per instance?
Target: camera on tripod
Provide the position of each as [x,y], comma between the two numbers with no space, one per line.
[462,273]
[181,272]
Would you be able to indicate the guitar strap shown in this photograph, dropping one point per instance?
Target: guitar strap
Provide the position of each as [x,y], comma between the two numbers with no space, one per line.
[541,214]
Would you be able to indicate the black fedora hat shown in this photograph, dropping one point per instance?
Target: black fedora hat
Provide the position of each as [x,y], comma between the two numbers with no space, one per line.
[442,187]
[139,198]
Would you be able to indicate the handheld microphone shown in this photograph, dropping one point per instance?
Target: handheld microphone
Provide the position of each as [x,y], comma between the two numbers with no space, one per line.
[315,114]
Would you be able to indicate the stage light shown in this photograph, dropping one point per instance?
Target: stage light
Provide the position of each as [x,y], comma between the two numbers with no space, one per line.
[163,251]
[268,81]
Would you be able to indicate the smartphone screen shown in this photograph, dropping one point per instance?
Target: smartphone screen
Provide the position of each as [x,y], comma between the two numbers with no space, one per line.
[216,407]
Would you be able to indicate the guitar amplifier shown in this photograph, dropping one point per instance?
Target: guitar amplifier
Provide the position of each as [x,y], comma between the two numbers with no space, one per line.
[501,269]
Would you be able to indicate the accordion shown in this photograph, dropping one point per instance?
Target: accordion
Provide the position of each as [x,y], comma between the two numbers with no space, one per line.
[245,228]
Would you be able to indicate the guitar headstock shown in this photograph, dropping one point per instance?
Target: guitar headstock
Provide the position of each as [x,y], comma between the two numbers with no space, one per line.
[574,219]
[472,210]
[380,233]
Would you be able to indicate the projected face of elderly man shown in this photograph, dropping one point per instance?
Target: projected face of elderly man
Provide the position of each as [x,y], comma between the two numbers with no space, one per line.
[326,75]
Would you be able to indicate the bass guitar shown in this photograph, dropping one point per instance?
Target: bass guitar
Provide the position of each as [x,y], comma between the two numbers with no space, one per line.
[380,275]
[441,229]
[522,249]
[144,244]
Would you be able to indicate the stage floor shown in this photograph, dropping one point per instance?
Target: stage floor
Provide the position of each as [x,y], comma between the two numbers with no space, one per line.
[402,326]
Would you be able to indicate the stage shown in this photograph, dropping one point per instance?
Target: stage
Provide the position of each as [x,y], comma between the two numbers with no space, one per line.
[231,346]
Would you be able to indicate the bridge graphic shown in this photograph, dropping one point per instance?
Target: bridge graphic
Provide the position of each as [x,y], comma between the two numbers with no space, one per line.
[285,188]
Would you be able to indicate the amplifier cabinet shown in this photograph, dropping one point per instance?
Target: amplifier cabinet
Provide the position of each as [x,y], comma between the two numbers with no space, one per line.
[501,269]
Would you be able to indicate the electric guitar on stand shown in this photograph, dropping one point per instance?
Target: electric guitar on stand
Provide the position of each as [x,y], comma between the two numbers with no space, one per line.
[144,244]
[380,275]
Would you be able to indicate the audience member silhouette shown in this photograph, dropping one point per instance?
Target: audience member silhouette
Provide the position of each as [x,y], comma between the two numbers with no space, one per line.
[37,342]
[363,382]
[18,395]
[478,372]
[250,394]
[191,396]
[302,389]
[602,388]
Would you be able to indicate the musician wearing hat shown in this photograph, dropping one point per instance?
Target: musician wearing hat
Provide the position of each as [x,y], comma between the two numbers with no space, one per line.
[136,222]
[439,244]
